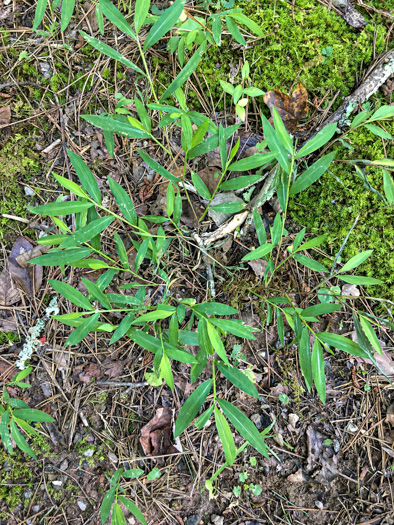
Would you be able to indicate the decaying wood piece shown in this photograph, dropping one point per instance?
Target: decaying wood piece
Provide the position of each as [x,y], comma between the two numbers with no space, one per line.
[371,84]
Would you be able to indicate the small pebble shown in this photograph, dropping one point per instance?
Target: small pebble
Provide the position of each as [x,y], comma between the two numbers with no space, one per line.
[112,457]
[293,420]
[28,494]
[82,505]
[256,418]
[89,452]
[217,520]
[35,508]
[350,289]
[352,427]
[64,465]
[57,483]
[28,191]
[319,504]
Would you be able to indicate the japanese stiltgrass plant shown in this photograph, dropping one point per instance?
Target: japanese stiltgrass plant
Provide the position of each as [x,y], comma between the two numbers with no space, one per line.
[115,495]
[15,415]
[161,329]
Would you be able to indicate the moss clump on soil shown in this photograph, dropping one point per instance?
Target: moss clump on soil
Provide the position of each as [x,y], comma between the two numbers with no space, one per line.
[331,206]
[291,50]
[19,161]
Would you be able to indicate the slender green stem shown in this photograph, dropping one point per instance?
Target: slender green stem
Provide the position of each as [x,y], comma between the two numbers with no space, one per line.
[213,194]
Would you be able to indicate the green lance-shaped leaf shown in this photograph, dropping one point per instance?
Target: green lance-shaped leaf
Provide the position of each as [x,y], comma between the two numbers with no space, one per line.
[312,243]
[122,328]
[31,414]
[4,433]
[370,333]
[164,23]
[70,185]
[115,16]
[244,426]
[250,163]
[211,143]
[217,342]
[214,308]
[96,293]
[356,261]
[388,186]
[236,33]
[87,233]
[159,169]
[86,177]
[320,309]
[235,327]
[259,252]
[238,183]
[82,331]
[359,279]
[166,372]
[275,145]
[121,250]
[312,174]
[106,504]
[238,379]
[152,316]
[67,13]
[123,200]
[153,344]
[60,258]
[310,263]
[318,370]
[39,13]
[190,67]
[280,326]
[53,209]
[135,511]
[110,52]
[140,13]
[72,294]
[342,343]
[20,441]
[125,129]
[304,355]
[191,407]
[226,437]
[318,141]
[280,129]
[200,186]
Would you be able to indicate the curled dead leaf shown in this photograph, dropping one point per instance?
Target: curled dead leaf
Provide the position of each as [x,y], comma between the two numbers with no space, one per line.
[26,275]
[156,437]
[291,108]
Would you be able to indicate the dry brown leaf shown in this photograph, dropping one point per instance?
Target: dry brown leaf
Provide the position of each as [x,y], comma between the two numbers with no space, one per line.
[7,370]
[291,108]
[156,436]
[5,115]
[258,266]
[315,445]
[113,369]
[85,373]
[390,415]
[27,276]
[384,362]
[8,293]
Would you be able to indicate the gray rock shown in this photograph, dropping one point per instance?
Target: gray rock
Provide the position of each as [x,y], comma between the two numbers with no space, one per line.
[350,289]
[89,452]
[28,494]
[82,505]
[256,418]
[64,465]
[57,483]
[217,520]
[193,520]
[112,457]
[35,508]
